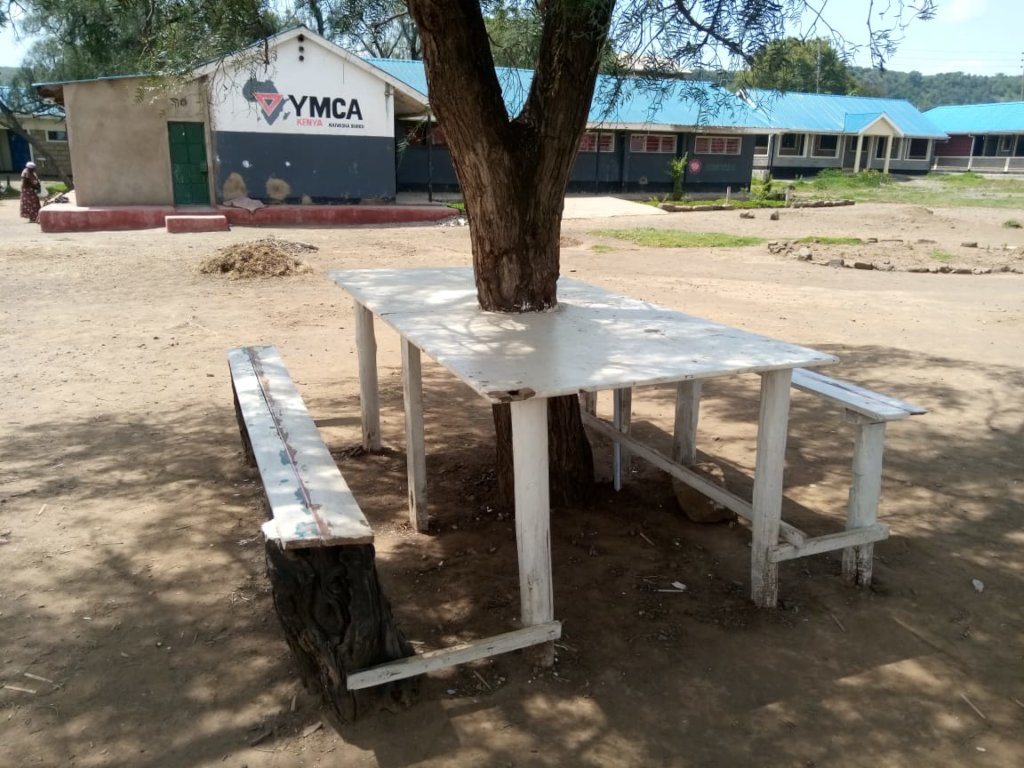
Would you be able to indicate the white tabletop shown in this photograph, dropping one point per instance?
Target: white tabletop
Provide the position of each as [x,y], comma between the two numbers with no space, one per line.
[594,340]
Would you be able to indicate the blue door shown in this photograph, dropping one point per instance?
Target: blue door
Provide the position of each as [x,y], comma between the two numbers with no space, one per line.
[20,153]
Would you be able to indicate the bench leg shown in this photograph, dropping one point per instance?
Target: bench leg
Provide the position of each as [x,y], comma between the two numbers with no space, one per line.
[865,491]
[533,516]
[588,402]
[772,425]
[622,409]
[369,394]
[415,450]
[684,443]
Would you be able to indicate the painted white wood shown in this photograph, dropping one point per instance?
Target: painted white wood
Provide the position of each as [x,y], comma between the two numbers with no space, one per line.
[860,146]
[622,416]
[859,538]
[311,504]
[888,153]
[864,401]
[415,448]
[768,485]
[458,654]
[714,492]
[594,340]
[533,538]
[865,492]
[369,392]
[684,434]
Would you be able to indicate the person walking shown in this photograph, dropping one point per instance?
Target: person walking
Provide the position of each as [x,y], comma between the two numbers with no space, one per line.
[30,189]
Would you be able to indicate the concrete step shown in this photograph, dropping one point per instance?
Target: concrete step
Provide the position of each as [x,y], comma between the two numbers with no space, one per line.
[196,223]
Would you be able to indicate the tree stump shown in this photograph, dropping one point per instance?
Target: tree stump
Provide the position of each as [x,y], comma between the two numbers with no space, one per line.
[337,620]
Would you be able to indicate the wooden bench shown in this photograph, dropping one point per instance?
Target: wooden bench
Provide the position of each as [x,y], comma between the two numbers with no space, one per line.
[869,410]
[320,555]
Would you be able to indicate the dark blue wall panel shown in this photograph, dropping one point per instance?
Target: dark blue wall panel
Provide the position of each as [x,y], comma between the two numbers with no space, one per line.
[329,169]
[416,166]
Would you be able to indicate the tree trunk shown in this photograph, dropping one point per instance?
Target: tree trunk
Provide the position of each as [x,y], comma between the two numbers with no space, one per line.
[513,172]
[336,620]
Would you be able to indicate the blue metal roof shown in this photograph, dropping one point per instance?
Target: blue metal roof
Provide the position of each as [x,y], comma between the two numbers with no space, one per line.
[1007,117]
[831,113]
[636,102]
[16,100]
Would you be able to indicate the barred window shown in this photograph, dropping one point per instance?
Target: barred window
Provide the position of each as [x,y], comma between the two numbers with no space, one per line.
[592,141]
[661,143]
[717,145]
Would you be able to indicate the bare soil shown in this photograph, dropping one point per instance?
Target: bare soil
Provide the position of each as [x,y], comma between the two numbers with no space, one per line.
[136,627]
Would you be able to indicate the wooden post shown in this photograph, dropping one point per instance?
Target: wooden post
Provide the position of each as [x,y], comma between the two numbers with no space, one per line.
[772,425]
[415,450]
[588,402]
[888,153]
[684,443]
[369,396]
[533,515]
[860,146]
[622,409]
[865,492]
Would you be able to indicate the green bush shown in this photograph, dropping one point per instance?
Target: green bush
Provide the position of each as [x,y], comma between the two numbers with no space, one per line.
[676,169]
[56,188]
[1012,224]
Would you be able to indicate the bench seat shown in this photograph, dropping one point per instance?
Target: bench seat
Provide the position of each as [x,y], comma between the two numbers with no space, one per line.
[309,500]
[873,406]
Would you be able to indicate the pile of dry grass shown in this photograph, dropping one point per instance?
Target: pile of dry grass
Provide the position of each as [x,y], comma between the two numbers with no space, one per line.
[267,257]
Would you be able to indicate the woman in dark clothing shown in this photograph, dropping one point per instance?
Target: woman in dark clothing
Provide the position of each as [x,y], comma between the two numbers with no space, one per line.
[30,188]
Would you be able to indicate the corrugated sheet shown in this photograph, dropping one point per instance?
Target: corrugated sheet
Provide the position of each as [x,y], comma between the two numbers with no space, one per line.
[636,102]
[15,100]
[829,113]
[1007,117]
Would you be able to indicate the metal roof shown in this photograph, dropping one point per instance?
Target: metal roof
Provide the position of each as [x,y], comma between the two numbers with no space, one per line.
[637,104]
[832,113]
[1006,117]
[28,98]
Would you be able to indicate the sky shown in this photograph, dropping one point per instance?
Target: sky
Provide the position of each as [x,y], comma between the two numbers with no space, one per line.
[981,37]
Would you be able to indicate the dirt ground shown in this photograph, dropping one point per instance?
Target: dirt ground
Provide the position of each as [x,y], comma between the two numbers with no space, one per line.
[136,626]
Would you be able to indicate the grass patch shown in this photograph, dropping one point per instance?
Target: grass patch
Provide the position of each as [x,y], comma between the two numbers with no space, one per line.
[56,188]
[601,248]
[1012,224]
[941,256]
[461,207]
[952,190]
[966,179]
[831,240]
[669,238]
[834,181]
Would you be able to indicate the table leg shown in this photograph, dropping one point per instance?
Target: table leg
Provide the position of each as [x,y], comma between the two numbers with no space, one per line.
[369,396]
[772,426]
[415,451]
[865,491]
[533,514]
[622,411]
[684,444]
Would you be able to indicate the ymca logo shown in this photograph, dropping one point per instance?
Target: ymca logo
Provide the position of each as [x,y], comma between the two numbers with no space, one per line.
[317,108]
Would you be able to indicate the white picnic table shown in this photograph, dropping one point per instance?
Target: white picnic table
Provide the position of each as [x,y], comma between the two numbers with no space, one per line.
[595,340]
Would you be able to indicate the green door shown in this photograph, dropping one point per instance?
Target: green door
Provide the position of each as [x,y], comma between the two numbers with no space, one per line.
[188,164]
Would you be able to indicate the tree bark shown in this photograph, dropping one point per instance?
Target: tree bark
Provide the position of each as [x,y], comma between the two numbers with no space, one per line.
[336,620]
[513,172]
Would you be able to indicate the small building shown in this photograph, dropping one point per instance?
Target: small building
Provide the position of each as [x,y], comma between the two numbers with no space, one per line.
[46,127]
[982,137]
[814,131]
[626,148]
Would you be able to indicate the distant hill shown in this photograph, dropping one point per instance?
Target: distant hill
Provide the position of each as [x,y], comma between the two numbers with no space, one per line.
[927,91]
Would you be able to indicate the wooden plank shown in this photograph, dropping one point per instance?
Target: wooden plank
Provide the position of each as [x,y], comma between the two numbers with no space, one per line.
[588,402]
[863,401]
[772,423]
[831,542]
[714,492]
[415,448]
[865,493]
[622,414]
[369,392]
[458,654]
[311,503]
[684,441]
[533,511]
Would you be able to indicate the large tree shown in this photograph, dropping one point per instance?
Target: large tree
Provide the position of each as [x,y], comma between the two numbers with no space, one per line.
[792,64]
[514,168]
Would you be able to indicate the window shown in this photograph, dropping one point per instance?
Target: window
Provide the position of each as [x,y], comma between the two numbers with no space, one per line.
[826,145]
[56,135]
[880,147]
[761,144]
[661,143]
[717,145]
[418,134]
[1005,145]
[592,141]
[917,149]
[791,144]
